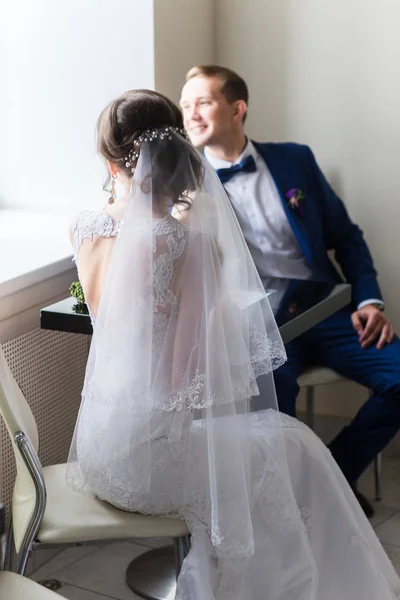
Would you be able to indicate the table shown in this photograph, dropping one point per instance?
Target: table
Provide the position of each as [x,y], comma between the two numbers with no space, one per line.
[304,305]
[302,309]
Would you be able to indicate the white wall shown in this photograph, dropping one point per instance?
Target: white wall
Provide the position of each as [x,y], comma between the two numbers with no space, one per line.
[64,61]
[184,36]
[327,74]
[61,63]
[252,39]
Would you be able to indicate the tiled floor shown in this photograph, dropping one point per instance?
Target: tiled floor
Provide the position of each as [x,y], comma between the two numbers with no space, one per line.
[94,572]
[98,573]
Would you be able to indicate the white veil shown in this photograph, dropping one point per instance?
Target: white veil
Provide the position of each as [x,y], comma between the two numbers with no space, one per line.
[183,329]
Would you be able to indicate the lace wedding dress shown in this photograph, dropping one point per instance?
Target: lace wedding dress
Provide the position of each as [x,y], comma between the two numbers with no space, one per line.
[311,539]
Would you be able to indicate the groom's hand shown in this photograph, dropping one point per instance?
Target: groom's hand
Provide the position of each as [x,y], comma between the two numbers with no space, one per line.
[371,324]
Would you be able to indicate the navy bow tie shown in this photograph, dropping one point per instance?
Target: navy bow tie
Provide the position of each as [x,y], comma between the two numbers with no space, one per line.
[248,165]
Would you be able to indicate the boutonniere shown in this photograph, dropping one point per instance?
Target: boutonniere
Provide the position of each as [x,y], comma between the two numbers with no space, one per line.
[295,198]
[293,309]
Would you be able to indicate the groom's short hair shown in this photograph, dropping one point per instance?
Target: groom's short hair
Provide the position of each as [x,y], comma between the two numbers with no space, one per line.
[233,86]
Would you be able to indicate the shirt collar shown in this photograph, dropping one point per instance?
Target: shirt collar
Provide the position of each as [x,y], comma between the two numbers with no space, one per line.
[218,163]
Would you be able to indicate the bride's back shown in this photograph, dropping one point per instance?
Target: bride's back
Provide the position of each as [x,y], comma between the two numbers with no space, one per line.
[94,234]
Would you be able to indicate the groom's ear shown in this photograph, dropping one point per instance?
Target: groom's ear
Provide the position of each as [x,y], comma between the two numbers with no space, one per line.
[239,110]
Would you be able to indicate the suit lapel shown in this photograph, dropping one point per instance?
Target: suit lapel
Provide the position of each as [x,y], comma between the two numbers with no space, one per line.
[282,178]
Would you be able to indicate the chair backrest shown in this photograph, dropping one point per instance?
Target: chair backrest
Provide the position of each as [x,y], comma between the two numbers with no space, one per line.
[13,407]
[18,417]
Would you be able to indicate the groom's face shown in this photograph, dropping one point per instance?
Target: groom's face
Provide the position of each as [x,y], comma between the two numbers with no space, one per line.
[207,115]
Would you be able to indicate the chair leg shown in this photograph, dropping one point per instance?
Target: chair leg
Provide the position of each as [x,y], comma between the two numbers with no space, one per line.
[182,547]
[9,556]
[378,474]
[21,559]
[34,467]
[3,550]
[310,406]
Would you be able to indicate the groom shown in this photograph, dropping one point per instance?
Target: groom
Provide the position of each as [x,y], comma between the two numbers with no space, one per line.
[291,218]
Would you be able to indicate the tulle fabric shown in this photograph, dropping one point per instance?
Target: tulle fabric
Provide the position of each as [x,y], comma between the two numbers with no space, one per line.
[182,331]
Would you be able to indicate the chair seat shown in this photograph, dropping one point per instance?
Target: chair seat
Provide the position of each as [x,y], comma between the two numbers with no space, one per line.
[74,517]
[16,587]
[319,376]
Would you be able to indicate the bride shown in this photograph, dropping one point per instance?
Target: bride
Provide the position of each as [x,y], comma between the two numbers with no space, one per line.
[182,328]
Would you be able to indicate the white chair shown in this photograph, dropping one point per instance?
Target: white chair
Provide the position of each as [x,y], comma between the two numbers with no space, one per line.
[16,587]
[313,376]
[46,512]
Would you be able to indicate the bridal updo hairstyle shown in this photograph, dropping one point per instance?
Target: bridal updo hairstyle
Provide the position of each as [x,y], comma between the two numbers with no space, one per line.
[176,167]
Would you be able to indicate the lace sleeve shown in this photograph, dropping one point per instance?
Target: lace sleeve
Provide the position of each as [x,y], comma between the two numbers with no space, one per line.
[89,223]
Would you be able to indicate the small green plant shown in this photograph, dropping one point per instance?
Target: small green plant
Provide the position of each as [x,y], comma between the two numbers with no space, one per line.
[77,292]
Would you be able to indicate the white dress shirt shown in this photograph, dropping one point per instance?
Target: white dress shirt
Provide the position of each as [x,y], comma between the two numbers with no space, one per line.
[270,238]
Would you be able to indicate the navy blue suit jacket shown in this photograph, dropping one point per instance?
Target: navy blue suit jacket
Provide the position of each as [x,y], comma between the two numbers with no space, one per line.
[323,224]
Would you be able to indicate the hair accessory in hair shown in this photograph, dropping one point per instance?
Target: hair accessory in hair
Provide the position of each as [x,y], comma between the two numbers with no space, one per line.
[163,132]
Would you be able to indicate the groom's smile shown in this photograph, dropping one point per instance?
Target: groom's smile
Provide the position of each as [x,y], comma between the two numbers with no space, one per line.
[207,114]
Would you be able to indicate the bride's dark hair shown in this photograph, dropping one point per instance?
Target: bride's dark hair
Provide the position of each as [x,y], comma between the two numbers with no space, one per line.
[176,167]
